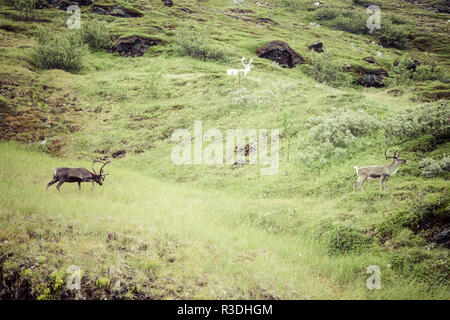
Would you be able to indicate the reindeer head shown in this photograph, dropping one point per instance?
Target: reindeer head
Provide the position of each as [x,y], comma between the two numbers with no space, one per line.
[395,158]
[99,177]
[249,65]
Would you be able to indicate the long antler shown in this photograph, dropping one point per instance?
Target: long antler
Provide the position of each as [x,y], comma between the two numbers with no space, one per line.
[94,161]
[395,156]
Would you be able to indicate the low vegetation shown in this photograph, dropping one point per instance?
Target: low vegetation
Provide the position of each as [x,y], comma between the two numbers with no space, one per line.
[157,230]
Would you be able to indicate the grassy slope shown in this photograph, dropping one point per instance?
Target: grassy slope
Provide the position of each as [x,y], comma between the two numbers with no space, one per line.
[229,228]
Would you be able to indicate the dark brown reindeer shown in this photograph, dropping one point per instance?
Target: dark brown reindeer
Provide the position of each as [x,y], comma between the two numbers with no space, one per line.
[382,172]
[78,175]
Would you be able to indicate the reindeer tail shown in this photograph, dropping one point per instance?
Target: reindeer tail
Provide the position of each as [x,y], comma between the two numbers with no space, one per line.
[356,169]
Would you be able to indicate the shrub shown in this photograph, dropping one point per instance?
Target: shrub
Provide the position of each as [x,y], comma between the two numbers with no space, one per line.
[341,127]
[197,45]
[325,69]
[430,71]
[326,14]
[332,134]
[64,52]
[95,35]
[432,168]
[393,35]
[421,214]
[429,119]
[25,8]
[351,22]
[343,239]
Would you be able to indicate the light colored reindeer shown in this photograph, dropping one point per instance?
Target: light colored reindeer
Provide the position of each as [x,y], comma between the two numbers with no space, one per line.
[374,172]
[235,72]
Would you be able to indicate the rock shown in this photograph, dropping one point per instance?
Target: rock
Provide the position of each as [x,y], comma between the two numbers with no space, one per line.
[368,77]
[370,60]
[317,47]
[168,3]
[266,21]
[442,237]
[133,46]
[371,80]
[117,11]
[61,4]
[281,53]
[118,154]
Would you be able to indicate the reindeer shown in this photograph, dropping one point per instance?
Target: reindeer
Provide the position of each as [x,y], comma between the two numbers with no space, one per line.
[78,175]
[235,72]
[374,172]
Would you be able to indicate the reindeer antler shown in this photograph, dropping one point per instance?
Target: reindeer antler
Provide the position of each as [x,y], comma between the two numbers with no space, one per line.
[94,161]
[104,164]
[395,156]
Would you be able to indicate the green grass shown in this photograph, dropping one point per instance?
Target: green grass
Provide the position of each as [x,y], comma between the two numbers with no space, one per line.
[199,231]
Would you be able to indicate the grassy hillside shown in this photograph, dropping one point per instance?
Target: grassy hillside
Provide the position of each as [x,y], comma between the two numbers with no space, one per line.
[217,231]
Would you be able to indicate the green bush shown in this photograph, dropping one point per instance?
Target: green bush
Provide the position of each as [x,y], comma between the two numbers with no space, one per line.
[422,265]
[422,214]
[429,71]
[95,35]
[341,127]
[432,168]
[64,52]
[194,44]
[333,133]
[351,22]
[343,239]
[393,35]
[25,8]
[326,14]
[429,119]
[325,69]
[405,72]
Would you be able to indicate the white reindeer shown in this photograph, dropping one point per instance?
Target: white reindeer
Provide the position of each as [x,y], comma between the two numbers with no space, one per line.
[235,72]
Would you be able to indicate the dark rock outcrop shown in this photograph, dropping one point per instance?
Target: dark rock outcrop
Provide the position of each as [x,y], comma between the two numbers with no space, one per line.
[116,11]
[371,80]
[133,46]
[317,47]
[370,60]
[442,238]
[368,77]
[281,53]
[62,4]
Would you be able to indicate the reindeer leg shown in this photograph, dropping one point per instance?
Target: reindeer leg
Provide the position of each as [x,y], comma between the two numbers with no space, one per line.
[79,186]
[52,182]
[59,185]
[361,184]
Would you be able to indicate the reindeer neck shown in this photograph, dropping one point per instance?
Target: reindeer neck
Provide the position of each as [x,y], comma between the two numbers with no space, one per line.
[393,166]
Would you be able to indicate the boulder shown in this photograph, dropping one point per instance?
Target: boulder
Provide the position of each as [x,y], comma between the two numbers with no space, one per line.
[370,60]
[133,46]
[117,11]
[62,4]
[317,47]
[368,77]
[371,80]
[281,53]
[442,238]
